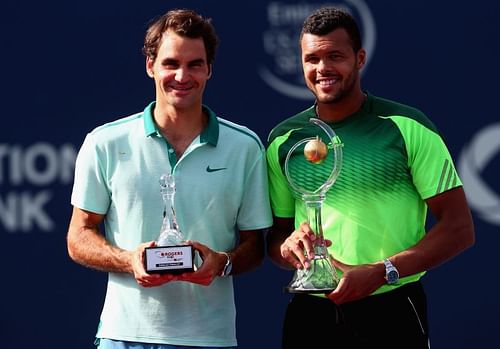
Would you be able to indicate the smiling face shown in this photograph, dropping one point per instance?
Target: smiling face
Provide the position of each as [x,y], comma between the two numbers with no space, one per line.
[331,66]
[180,71]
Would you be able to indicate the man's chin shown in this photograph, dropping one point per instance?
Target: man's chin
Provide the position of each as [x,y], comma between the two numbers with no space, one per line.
[328,99]
[182,103]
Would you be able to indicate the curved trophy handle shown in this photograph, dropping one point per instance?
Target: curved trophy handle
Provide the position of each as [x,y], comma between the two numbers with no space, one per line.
[334,144]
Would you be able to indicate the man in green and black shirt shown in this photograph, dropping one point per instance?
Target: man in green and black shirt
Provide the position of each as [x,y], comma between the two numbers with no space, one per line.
[395,165]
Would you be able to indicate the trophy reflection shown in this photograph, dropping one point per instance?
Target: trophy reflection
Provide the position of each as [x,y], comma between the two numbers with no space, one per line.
[311,167]
[171,253]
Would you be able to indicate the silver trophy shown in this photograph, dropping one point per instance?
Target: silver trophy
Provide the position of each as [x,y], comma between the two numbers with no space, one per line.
[311,167]
[171,253]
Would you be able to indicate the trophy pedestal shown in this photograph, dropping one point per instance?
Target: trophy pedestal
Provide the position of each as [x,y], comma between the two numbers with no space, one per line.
[290,289]
[169,259]
[321,277]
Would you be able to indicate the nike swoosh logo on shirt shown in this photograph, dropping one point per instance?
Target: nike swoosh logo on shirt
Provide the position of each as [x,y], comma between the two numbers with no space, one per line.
[209,169]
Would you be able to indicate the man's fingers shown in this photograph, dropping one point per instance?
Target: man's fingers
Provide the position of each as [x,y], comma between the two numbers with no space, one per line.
[288,254]
[293,251]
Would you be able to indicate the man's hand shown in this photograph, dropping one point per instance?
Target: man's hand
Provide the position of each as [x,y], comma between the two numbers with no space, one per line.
[213,263]
[141,276]
[357,281]
[298,248]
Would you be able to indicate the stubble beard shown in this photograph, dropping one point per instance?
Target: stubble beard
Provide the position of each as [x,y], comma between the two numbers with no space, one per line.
[343,91]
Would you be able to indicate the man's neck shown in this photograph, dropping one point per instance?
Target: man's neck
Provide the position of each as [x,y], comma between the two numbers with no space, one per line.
[333,112]
[180,126]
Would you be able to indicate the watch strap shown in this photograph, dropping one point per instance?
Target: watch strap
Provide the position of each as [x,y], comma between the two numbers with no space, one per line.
[387,263]
[391,272]
[228,266]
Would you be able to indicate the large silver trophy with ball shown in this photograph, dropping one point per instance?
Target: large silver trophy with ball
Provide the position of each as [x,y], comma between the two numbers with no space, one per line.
[311,167]
[171,253]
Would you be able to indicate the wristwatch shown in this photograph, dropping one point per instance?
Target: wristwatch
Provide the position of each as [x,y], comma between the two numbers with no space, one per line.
[391,273]
[228,267]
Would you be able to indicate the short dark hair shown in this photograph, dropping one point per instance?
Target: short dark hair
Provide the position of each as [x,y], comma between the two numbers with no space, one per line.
[327,19]
[183,22]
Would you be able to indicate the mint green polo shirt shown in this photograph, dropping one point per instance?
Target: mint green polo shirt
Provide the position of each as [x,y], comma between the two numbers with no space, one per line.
[221,186]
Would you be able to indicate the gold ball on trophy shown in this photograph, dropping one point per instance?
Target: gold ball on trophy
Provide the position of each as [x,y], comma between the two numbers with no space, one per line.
[315,151]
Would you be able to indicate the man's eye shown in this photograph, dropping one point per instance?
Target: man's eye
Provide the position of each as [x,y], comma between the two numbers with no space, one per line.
[170,65]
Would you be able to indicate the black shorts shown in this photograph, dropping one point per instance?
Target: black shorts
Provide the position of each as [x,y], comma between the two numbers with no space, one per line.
[395,319]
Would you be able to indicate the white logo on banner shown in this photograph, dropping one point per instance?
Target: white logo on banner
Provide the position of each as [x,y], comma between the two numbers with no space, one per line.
[281,43]
[27,177]
[474,158]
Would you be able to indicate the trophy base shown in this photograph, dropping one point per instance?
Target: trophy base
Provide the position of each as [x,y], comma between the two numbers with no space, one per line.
[169,259]
[320,278]
[290,289]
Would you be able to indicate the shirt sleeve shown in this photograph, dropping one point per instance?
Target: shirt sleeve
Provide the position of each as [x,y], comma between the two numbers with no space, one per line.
[90,191]
[255,210]
[429,160]
[282,200]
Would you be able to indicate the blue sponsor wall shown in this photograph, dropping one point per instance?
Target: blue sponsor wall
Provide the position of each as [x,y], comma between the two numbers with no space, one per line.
[68,66]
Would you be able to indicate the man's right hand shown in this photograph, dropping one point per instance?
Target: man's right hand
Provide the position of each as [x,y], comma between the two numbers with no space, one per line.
[141,276]
[298,248]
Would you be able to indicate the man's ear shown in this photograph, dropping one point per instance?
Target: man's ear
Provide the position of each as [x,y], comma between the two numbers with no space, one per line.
[210,67]
[149,67]
[361,58]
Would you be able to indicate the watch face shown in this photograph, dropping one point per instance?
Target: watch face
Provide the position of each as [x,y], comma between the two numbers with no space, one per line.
[392,276]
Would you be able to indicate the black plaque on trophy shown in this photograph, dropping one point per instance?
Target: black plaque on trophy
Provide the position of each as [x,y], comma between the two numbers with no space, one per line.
[169,259]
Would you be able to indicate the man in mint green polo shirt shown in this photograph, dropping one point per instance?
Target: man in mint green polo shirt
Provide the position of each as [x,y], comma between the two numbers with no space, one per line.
[395,166]
[221,201]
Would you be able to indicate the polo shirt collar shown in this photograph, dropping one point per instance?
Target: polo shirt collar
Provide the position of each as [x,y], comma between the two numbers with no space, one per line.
[209,135]
[211,132]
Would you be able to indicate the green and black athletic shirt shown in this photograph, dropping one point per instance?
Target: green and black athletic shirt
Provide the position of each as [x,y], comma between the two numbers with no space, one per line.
[393,159]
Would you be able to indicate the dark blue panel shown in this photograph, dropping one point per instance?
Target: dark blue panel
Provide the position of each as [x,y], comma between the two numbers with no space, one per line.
[67,67]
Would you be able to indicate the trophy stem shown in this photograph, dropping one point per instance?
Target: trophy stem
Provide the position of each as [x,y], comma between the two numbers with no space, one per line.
[169,220]
[314,219]
[170,233]
[321,277]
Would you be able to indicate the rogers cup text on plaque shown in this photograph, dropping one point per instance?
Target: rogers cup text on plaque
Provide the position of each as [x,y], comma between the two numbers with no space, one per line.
[171,253]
